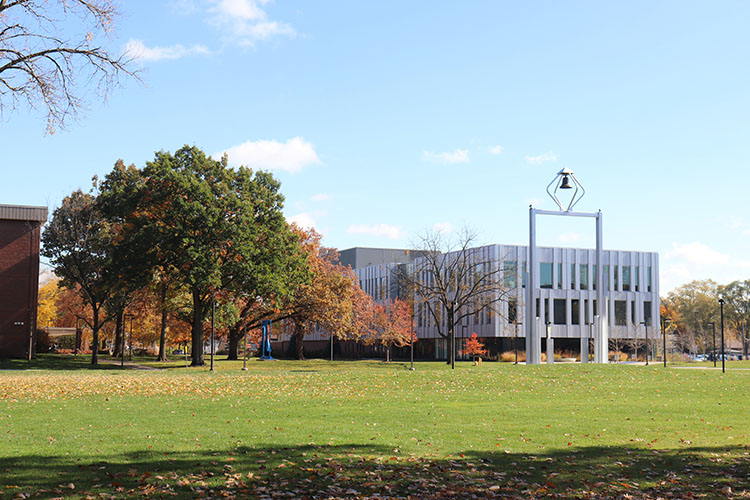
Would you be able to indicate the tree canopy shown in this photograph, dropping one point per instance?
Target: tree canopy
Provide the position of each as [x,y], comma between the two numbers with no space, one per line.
[212,229]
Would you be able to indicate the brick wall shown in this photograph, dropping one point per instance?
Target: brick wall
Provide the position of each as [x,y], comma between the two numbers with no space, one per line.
[19,286]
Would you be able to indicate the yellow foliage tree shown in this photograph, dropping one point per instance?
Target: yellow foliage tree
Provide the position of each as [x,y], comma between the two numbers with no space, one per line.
[46,311]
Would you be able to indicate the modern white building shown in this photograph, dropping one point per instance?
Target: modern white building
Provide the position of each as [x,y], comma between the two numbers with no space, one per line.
[566,296]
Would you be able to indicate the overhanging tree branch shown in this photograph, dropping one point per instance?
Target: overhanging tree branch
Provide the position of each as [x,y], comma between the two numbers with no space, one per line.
[46,64]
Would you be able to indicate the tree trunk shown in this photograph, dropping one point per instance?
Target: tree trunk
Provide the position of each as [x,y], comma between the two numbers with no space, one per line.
[451,348]
[163,329]
[117,351]
[235,334]
[197,331]
[299,335]
[95,337]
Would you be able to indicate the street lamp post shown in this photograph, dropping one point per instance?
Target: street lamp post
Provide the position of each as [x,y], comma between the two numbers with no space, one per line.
[721,303]
[244,358]
[213,312]
[78,338]
[515,340]
[645,325]
[122,346]
[130,339]
[713,335]
[664,322]
[122,349]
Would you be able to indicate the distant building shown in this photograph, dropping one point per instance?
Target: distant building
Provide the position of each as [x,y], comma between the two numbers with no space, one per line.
[359,257]
[20,228]
[566,296]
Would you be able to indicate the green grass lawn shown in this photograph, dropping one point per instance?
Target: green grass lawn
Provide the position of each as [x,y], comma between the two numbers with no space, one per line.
[369,429]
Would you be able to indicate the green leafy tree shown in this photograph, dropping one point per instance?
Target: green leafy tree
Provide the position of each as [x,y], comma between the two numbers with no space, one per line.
[693,305]
[737,297]
[217,231]
[79,245]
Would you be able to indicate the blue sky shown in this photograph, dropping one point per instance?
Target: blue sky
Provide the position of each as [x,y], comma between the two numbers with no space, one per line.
[383,119]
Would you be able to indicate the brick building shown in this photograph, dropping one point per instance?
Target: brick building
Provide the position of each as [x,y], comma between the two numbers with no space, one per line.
[20,228]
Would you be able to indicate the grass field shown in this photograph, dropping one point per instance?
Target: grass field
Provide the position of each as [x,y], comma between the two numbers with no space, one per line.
[368,429]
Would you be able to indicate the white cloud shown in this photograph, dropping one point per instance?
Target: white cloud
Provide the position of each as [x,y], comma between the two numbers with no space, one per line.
[542,158]
[303,220]
[696,253]
[443,227]
[457,156]
[246,21]
[495,150]
[686,262]
[138,50]
[290,156]
[379,230]
[320,197]
[247,10]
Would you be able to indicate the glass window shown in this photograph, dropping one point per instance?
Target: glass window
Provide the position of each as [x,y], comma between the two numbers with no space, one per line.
[620,313]
[595,307]
[537,308]
[606,278]
[512,310]
[632,312]
[617,278]
[647,312]
[594,277]
[560,311]
[510,272]
[648,279]
[546,310]
[626,278]
[586,318]
[575,312]
[637,279]
[559,275]
[583,278]
[572,276]
[523,274]
[545,275]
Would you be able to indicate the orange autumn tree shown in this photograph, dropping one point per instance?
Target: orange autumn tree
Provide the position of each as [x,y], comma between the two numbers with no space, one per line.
[391,325]
[474,347]
[331,300]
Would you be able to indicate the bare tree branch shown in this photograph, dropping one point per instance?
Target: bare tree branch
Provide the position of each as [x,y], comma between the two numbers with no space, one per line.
[47,64]
[453,279]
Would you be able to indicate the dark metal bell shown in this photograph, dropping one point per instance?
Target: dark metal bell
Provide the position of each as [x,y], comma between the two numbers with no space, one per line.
[565,183]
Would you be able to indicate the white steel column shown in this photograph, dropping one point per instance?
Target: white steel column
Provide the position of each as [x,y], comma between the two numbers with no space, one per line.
[533,339]
[601,337]
[550,345]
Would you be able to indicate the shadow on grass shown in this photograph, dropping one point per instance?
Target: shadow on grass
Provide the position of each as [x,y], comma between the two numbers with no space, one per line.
[57,362]
[354,471]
